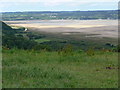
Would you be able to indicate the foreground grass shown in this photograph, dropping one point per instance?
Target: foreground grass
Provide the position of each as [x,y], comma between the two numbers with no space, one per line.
[30,69]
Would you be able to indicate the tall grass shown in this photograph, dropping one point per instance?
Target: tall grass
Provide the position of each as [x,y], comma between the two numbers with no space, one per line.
[42,69]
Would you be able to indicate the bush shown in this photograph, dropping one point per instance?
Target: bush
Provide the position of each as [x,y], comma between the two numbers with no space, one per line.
[67,50]
[42,47]
[90,52]
[12,41]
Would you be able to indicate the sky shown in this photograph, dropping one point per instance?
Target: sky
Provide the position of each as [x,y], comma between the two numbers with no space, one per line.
[57,5]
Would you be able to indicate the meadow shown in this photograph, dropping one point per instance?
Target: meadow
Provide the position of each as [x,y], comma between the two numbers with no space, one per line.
[43,69]
[32,59]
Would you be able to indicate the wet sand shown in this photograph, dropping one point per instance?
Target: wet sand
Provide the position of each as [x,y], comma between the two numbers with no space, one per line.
[96,28]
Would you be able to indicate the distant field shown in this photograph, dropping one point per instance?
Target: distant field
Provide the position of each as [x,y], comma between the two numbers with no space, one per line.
[61,15]
[42,40]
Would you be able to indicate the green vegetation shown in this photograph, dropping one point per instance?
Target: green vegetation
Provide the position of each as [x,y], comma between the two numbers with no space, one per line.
[31,61]
[20,39]
[43,69]
[48,15]
[41,40]
[15,38]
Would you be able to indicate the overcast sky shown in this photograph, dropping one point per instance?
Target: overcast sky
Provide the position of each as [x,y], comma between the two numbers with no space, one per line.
[57,5]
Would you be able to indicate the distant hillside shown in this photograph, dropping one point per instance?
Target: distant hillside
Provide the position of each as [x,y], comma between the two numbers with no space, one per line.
[5,26]
[7,30]
[53,15]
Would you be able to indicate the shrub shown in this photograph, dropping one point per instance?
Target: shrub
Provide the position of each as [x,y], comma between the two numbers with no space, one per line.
[42,47]
[67,50]
[90,52]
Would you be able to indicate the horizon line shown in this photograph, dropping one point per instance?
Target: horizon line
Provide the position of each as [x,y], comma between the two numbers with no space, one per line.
[58,10]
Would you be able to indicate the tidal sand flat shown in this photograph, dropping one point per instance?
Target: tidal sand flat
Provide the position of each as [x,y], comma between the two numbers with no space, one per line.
[96,28]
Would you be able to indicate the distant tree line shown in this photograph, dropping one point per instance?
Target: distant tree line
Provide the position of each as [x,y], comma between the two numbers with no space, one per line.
[48,15]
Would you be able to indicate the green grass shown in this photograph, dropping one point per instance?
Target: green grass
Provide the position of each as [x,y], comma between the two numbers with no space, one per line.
[42,40]
[42,69]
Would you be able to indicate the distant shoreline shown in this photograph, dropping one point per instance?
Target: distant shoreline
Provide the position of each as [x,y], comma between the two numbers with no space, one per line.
[62,20]
[102,28]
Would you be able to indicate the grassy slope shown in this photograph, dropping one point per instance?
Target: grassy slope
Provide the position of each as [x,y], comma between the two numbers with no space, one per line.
[50,70]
